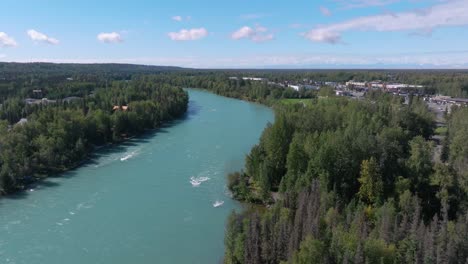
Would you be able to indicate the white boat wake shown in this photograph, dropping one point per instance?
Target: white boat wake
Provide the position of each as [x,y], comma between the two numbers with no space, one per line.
[195,183]
[198,181]
[218,204]
[128,156]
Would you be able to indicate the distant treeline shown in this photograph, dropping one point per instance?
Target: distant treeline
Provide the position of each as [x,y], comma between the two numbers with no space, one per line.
[219,83]
[445,82]
[39,75]
[57,136]
[16,69]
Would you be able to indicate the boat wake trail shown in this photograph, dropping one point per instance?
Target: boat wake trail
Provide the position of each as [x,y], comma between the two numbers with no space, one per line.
[198,181]
[218,204]
[129,156]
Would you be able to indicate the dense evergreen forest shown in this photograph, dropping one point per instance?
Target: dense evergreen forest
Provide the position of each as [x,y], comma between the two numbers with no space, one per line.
[45,136]
[347,181]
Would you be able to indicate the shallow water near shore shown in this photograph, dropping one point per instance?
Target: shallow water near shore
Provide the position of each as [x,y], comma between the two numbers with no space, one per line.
[159,198]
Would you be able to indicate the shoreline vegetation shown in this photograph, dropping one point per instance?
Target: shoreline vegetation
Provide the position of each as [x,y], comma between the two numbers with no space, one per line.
[60,136]
[353,181]
[332,180]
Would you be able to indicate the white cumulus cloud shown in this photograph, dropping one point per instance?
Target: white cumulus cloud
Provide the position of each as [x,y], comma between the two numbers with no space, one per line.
[7,41]
[177,18]
[243,32]
[349,4]
[181,18]
[443,60]
[257,34]
[41,37]
[325,11]
[451,13]
[112,37]
[323,35]
[189,34]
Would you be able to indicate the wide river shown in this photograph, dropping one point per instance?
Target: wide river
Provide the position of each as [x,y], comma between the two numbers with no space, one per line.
[150,200]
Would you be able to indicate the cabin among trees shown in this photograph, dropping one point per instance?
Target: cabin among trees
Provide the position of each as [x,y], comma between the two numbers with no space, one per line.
[120,108]
[41,137]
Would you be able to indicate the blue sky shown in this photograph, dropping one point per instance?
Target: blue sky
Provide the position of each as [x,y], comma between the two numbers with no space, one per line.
[239,34]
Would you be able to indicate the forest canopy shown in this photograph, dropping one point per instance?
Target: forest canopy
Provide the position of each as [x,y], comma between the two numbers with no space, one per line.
[348,181]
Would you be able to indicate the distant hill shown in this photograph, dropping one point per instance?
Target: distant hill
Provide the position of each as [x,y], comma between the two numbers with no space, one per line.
[74,68]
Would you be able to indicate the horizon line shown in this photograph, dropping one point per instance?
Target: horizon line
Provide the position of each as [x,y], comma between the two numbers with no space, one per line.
[269,67]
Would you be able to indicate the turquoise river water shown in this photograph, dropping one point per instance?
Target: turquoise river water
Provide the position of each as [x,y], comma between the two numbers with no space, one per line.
[160,198]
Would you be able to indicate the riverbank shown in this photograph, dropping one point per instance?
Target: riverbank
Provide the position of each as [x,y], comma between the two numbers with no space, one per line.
[59,138]
[93,154]
[351,172]
[148,199]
